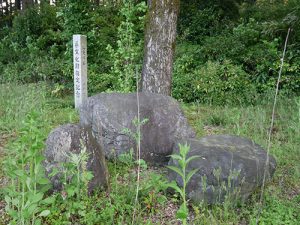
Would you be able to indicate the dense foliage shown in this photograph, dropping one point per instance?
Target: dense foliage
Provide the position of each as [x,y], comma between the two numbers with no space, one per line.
[225,55]
[227,52]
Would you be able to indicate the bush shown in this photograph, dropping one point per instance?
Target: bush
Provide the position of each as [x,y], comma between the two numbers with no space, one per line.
[34,22]
[34,69]
[38,46]
[214,83]
[246,45]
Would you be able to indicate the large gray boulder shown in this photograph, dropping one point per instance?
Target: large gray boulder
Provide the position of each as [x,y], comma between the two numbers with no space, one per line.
[108,115]
[228,165]
[72,138]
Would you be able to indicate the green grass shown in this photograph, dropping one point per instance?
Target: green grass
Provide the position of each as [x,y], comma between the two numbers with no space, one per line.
[16,101]
[282,195]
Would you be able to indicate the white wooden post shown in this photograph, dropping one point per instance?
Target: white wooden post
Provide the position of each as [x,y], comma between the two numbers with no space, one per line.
[80,69]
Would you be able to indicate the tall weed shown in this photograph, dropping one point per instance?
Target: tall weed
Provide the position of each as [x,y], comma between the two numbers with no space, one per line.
[23,167]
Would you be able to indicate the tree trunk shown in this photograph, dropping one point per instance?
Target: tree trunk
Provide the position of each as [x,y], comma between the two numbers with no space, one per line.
[18,4]
[27,4]
[160,38]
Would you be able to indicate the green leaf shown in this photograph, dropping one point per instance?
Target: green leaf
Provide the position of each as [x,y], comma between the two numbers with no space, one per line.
[48,200]
[190,174]
[176,157]
[182,164]
[45,188]
[15,201]
[43,181]
[28,183]
[44,213]
[32,209]
[28,155]
[71,191]
[37,197]
[175,187]
[89,176]
[82,213]
[7,209]
[53,172]
[39,159]
[38,222]
[184,149]
[20,173]
[191,158]
[161,199]
[182,212]
[175,169]
[7,199]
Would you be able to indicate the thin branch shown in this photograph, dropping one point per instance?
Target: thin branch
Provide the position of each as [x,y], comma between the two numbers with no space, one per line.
[271,127]
[138,145]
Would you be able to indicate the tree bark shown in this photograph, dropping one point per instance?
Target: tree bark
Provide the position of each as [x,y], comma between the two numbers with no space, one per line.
[27,4]
[160,36]
[18,4]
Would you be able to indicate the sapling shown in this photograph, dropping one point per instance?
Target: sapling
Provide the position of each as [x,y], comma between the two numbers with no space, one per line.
[77,168]
[183,162]
[126,55]
[75,179]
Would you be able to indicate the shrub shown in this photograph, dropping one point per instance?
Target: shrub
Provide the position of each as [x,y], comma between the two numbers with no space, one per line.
[215,83]
[127,55]
[34,22]
[35,69]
